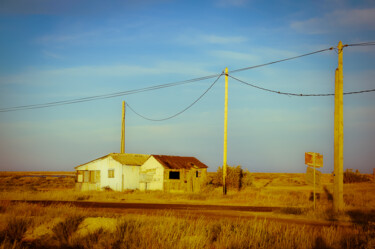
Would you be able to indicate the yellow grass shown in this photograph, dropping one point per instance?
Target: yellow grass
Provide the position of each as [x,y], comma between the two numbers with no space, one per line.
[268,189]
[101,229]
[166,230]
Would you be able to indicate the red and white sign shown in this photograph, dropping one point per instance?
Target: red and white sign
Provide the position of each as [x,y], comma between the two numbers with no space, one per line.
[314,159]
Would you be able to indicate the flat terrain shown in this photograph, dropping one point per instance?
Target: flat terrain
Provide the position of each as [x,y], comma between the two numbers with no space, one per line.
[276,204]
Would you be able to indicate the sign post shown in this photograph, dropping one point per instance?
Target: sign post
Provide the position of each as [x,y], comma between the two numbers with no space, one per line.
[314,160]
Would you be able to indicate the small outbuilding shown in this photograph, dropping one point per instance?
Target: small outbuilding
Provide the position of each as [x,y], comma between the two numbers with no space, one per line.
[172,174]
[116,171]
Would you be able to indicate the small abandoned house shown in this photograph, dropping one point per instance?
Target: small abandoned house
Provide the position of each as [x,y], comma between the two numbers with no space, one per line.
[117,171]
[172,174]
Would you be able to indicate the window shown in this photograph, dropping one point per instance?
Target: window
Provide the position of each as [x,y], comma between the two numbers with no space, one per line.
[111,173]
[92,176]
[86,176]
[174,175]
[79,176]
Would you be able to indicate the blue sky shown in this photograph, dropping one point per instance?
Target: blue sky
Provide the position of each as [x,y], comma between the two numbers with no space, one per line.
[60,50]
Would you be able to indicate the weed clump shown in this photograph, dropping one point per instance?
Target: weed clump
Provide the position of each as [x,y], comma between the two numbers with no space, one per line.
[237,178]
[92,240]
[213,232]
[107,189]
[15,229]
[128,235]
[83,197]
[292,210]
[351,177]
[65,229]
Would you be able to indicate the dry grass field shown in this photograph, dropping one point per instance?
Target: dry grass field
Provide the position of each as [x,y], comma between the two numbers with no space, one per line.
[25,225]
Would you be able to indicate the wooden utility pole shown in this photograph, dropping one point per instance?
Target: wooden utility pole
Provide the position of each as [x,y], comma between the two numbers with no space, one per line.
[225,133]
[338,181]
[123,128]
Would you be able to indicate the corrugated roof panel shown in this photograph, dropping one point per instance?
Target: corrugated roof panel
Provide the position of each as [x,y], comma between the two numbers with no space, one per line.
[179,162]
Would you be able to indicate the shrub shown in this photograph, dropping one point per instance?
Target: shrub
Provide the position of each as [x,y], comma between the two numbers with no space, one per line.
[83,197]
[213,232]
[107,189]
[351,177]
[127,234]
[292,210]
[16,228]
[65,229]
[91,240]
[236,177]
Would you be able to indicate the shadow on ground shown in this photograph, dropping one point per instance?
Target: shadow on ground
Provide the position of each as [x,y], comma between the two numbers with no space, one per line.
[363,218]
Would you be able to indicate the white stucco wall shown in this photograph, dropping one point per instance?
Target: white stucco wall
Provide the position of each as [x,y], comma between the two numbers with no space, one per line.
[153,171]
[116,182]
[131,177]
[131,174]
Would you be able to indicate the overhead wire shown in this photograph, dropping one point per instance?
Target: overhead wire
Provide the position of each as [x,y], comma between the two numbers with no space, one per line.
[123,93]
[105,96]
[156,87]
[180,112]
[286,59]
[362,44]
[298,94]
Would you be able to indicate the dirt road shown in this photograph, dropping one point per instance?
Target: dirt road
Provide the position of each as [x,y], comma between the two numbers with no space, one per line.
[158,206]
[195,211]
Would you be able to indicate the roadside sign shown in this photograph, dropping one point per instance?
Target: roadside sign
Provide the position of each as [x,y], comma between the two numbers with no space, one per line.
[310,177]
[314,159]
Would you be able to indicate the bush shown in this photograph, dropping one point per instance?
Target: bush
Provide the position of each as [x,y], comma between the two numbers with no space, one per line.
[236,177]
[16,228]
[107,189]
[83,197]
[127,234]
[351,177]
[65,229]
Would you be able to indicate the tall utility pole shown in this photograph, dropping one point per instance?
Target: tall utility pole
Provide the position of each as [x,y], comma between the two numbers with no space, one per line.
[338,180]
[225,133]
[123,128]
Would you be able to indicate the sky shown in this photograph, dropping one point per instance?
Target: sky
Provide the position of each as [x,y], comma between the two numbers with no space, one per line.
[61,50]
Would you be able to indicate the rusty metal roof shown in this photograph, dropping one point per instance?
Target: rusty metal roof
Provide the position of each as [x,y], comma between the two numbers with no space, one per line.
[179,162]
[123,158]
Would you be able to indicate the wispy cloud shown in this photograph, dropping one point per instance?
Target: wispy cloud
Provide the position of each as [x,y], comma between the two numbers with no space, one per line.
[210,39]
[228,3]
[37,76]
[71,7]
[257,55]
[215,39]
[235,56]
[65,38]
[52,55]
[339,20]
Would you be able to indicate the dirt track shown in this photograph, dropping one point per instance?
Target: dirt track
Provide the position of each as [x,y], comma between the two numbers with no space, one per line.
[158,206]
[195,211]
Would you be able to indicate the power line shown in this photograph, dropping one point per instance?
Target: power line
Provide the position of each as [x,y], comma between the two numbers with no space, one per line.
[151,88]
[274,62]
[104,96]
[123,93]
[361,44]
[180,112]
[298,94]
